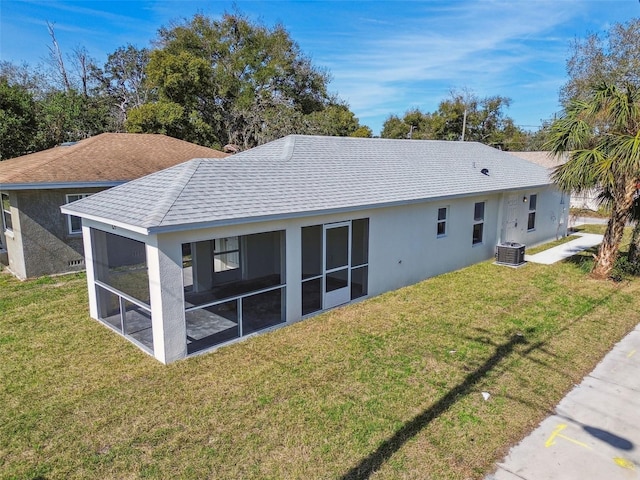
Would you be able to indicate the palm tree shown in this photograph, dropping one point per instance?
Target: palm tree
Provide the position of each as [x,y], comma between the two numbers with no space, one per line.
[601,133]
[634,246]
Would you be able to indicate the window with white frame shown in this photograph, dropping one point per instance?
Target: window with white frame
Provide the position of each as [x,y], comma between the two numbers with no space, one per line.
[6,212]
[226,254]
[478,222]
[74,223]
[443,214]
[531,222]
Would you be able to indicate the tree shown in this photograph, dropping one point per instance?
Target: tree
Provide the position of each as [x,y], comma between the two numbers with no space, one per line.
[362,132]
[482,119]
[613,59]
[182,81]
[18,124]
[395,127]
[333,120]
[601,134]
[69,116]
[244,72]
[124,82]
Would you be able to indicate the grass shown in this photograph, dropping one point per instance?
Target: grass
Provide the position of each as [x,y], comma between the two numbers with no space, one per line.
[546,246]
[391,386]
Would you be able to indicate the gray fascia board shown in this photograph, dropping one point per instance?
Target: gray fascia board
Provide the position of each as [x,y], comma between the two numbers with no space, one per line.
[106,221]
[330,211]
[51,186]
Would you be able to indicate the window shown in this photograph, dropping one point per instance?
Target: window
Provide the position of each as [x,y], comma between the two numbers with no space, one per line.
[442,221]
[75,223]
[531,222]
[226,254]
[478,222]
[6,212]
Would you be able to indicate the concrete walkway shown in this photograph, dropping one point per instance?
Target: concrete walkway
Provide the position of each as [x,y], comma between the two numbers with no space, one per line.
[595,431]
[583,241]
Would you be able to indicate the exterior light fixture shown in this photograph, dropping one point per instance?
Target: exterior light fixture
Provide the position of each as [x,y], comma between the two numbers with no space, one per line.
[524,199]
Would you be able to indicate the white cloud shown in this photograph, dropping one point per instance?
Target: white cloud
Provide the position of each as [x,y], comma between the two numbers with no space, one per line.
[486,46]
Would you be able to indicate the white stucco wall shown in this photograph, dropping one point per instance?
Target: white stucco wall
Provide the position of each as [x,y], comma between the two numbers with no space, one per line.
[552,217]
[404,248]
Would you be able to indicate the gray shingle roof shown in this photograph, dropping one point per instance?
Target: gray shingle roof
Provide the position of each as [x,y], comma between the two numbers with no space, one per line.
[302,175]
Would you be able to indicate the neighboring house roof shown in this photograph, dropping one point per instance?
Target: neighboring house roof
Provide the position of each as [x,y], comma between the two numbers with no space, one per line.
[104,160]
[304,175]
[545,159]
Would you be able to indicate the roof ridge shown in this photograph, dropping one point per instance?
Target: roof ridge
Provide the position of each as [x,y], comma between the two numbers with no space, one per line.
[163,206]
[288,147]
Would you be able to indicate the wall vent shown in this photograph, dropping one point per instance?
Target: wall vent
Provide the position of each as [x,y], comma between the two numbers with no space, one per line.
[76,263]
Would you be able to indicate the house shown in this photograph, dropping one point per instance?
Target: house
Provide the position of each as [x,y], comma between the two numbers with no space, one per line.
[35,238]
[587,199]
[208,252]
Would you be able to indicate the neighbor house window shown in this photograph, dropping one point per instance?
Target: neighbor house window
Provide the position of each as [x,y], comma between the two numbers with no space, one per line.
[478,222]
[442,221]
[531,222]
[75,223]
[6,212]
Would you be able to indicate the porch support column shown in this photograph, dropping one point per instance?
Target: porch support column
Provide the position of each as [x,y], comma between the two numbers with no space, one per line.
[293,262]
[164,260]
[91,262]
[202,265]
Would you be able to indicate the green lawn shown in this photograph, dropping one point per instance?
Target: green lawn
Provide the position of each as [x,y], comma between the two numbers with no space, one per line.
[392,385]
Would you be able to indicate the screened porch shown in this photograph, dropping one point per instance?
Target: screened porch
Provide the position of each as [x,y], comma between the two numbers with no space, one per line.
[233,287]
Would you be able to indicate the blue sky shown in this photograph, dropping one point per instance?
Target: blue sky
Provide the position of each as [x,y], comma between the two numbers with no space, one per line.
[384,57]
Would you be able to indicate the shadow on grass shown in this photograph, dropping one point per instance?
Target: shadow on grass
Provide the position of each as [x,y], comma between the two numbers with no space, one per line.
[584,259]
[369,465]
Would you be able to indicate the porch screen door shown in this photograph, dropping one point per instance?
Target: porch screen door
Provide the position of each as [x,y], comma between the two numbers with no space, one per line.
[337,255]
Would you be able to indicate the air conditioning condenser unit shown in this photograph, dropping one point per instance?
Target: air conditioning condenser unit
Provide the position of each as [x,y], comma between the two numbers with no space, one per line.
[510,253]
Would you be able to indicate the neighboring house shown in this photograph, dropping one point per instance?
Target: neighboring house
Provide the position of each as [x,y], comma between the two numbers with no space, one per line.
[218,250]
[35,238]
[587,199]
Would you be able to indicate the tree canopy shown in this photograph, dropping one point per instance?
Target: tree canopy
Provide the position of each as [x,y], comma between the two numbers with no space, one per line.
[482,120]
[612,58]
[238,82]
[208,81]
[18,124]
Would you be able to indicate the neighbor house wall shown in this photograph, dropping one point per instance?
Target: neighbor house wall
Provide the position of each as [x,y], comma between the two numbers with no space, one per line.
[41,243]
